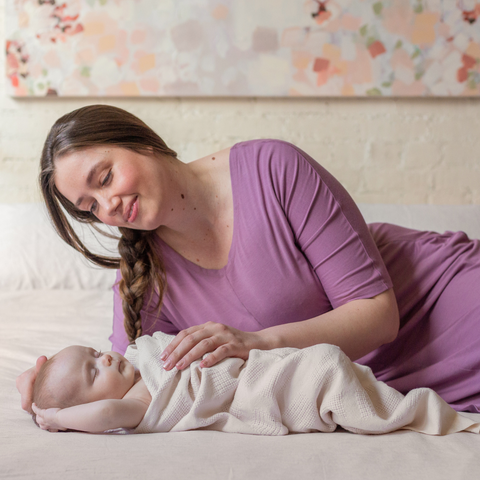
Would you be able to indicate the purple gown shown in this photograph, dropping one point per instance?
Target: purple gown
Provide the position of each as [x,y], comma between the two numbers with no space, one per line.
[300,247]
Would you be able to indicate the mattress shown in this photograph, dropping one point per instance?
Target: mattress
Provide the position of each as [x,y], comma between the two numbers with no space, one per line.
[40,316]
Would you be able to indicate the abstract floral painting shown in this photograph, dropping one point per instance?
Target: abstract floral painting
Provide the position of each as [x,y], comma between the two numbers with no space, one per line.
[243,47]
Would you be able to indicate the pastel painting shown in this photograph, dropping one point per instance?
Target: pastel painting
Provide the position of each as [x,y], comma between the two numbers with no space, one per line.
[243,48]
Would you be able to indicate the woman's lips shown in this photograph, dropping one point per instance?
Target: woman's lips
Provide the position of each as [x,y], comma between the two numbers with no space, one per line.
[133,211]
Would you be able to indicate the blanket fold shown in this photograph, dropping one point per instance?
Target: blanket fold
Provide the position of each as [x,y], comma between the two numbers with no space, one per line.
[279,391]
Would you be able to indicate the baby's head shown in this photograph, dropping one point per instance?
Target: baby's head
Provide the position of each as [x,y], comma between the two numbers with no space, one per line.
[78,375]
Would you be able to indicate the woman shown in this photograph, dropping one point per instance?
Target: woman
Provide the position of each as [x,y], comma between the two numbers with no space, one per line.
[257,246]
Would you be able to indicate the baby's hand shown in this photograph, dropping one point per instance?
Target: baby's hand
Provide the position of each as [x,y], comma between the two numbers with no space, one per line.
[46,418]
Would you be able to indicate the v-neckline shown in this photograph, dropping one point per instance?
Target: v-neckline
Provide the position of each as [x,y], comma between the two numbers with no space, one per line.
[192,265]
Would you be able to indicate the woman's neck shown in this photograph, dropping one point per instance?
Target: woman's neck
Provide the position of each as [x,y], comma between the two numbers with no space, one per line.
[201,222]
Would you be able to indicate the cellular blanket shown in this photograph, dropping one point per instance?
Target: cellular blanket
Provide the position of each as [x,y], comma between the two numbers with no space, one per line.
[279,391]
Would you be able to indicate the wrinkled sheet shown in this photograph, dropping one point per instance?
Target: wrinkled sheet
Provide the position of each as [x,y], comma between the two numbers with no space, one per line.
[55,319]
[37,322]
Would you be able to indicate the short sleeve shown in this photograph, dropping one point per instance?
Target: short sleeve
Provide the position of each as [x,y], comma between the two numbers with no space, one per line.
[329,229]
[152,320]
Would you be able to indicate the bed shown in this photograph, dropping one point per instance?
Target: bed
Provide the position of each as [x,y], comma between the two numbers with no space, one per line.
[50,298]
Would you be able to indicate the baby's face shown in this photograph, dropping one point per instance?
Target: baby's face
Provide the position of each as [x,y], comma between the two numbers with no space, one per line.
[90,375]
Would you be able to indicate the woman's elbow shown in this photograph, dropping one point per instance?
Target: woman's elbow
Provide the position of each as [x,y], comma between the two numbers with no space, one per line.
[391,316]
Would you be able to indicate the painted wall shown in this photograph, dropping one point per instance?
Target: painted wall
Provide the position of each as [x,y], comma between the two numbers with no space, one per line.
[382,150]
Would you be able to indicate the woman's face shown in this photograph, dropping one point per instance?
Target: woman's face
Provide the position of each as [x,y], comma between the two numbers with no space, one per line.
[120,187]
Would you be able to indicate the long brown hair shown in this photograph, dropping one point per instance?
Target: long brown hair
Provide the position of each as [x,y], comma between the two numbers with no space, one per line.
[141,267]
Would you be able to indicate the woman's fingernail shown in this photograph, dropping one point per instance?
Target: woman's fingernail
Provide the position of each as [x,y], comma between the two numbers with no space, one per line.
[167,365]
[163,356]
[179,365]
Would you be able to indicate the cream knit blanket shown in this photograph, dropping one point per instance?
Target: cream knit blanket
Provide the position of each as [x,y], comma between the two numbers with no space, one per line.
[284,390]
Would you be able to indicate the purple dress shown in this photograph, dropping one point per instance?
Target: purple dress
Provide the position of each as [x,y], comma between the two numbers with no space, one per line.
[300,247]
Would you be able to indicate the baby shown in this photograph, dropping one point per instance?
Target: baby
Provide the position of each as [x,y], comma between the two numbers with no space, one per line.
[274,392]
[82,389]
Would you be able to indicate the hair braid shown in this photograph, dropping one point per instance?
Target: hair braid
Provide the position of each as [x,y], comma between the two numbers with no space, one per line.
[104,125]
[140,266]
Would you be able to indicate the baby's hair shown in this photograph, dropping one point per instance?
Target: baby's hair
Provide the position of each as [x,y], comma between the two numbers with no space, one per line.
[45,396]
[140,263]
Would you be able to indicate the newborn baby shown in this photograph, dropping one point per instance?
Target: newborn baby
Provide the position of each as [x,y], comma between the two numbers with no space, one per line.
[274,392]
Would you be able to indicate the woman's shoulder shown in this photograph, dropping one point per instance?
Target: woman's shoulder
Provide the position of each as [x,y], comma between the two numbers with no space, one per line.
[263,145]
[270,154]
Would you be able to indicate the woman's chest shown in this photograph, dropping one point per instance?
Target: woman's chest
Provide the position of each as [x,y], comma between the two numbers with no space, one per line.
[267,281]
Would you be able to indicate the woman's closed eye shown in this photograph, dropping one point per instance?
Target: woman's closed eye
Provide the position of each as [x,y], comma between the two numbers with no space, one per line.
[104,182]
[107,178]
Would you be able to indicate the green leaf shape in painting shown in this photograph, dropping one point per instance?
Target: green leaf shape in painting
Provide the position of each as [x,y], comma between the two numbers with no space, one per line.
[374,92]
[416,53]
[377,8]
[418,8]
[85,72]
[419,74]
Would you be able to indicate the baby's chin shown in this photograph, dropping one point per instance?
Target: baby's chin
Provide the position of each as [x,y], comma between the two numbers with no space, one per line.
[130,372]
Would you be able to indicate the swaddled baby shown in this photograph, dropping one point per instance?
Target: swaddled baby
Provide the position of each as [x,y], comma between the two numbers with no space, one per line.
[274,392]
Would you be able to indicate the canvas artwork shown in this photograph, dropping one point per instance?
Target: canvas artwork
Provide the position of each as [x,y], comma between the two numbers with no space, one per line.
[243,47]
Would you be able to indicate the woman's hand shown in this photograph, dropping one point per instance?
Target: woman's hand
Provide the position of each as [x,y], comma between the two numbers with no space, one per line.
[219,340]
[25,383]
[46,418]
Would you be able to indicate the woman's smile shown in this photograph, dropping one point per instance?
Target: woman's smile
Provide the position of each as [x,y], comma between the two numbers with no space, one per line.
[132,211]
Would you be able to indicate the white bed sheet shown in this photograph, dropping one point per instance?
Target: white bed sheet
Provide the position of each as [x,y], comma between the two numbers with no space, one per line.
[46,304]
[43,321]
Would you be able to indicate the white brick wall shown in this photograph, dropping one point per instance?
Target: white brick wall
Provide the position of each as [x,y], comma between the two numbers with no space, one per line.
[382,150]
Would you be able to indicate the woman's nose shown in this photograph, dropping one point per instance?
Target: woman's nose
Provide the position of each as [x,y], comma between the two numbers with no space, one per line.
[112,206]
[109,204]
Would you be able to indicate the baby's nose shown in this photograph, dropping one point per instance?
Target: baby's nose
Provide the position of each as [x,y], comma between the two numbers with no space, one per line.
[107,359]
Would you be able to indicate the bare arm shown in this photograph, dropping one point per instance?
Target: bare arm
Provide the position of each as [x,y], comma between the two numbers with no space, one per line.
[357,327]
[93,417]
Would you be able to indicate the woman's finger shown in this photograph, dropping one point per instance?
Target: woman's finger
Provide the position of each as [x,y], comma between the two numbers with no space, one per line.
[177,340]
[219,340]
[205,346]
[222,352]
[194,346]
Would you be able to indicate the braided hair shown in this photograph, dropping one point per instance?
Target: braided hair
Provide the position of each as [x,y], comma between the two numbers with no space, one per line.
[140,264]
